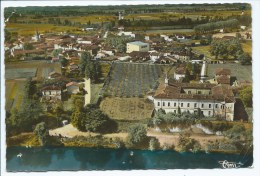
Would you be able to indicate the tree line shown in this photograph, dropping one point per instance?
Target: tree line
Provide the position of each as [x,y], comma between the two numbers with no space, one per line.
[211,26]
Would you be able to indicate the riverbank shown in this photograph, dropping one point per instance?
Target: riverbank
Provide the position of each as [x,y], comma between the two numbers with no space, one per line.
[115,140]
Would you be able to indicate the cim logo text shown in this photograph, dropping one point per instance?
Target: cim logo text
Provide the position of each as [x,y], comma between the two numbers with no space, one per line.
[227,165]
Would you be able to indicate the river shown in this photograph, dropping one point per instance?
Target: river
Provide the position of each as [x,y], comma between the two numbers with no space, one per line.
[76,158]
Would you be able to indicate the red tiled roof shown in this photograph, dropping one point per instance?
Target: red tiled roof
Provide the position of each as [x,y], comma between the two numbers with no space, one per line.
[222,71]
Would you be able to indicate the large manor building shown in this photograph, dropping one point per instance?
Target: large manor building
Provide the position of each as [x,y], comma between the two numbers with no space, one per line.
[207,99]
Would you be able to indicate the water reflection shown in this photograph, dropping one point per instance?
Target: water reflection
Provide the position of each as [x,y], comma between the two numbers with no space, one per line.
[44,159]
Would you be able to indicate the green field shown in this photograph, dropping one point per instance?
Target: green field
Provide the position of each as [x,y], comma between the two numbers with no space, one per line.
[29,29]
[14,94]
[241,72]
[203,50]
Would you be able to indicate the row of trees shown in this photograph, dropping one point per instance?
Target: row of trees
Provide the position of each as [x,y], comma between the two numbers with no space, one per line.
[202,28]
[182,120]
[164,21]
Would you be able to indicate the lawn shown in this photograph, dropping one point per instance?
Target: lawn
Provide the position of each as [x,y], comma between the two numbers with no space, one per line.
[247,46]
[203,50]
[14,93]
[127,108]
[15,73]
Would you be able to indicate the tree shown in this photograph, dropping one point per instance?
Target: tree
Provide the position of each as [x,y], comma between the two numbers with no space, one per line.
[28,46]
[42,133]
[186,143]
[8,36]
[236,133]
[64,62]
[56,52]
[246,96]
[85,59]
[225,48]
[245,59]
[137,134]
[92,119]
[154,144]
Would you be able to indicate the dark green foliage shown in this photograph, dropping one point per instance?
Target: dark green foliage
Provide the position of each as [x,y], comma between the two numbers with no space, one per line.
[28,46]
[92,119]
[91,69]
[226,48]
[236,133]
[154,144]
[118,42]
[246,95]
[7,36]
[245,59]
[42,133]
[233,23]
[217,126]
[64,62]
[137,134]
[56,52]
[24,119]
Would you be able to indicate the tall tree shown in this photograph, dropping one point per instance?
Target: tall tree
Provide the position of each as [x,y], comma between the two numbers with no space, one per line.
[42,133]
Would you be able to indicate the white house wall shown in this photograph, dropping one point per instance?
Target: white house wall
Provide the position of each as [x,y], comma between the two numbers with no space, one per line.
[208,107]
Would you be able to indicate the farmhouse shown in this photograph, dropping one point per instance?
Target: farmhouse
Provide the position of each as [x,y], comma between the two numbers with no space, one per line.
[222,76]
[137,46]
[51,92]
[179,73]
[202,99]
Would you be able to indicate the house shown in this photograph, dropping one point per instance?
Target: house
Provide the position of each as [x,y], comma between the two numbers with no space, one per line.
[179,73]
[130,34]
[54,75]
[203,99]
[154,56]
[51,93]
[72,88]
[222,72]
[137,46]
[139,56]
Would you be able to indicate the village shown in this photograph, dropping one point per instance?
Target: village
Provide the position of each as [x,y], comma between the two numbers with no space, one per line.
[99,87]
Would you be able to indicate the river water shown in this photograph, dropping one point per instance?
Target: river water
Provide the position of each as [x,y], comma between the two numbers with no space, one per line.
[76,158]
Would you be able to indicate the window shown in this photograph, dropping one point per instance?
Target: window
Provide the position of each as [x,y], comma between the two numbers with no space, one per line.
[199,92]
[209,113]
[216,106]
[209,105]
[174,104]
[222,107]
[181,104]
[195,105]
[189,92]
[169,104]
[202,105]
[163,103]
[188,105]
[174,111]
[158,104]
